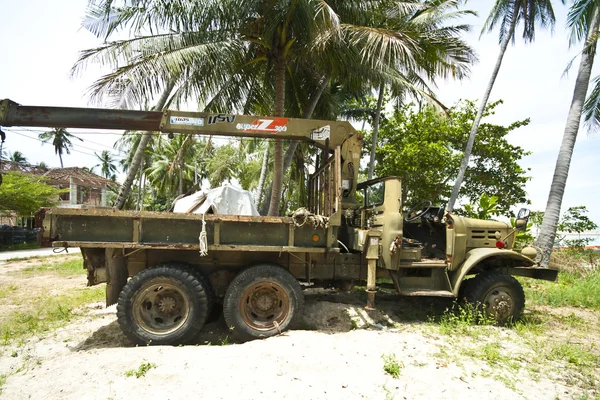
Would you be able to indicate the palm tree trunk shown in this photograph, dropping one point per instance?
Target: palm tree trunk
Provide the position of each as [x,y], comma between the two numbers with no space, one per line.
[137,207]
[548,229]
[486,96]
[60,158]
[376,130]
[278,145]
[263,176]
[291,150]
[139,152]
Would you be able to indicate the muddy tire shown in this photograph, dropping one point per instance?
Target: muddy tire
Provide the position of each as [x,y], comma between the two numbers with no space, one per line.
[262,301]
[464,289]
[163,305]
[498,295]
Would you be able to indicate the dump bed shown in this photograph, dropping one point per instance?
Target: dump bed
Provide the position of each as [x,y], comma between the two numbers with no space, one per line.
[108,228]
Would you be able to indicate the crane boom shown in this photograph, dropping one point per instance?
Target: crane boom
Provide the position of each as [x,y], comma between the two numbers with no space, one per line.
[325,134]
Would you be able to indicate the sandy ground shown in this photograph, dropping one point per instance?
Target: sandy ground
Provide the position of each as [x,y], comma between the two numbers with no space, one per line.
[336,353]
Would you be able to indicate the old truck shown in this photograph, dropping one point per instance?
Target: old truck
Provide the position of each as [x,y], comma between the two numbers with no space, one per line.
[165,271]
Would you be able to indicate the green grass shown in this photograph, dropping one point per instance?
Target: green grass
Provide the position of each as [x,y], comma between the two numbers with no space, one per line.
[21,246]
[141,371]
[462,319]
[48,312]
[574,354]
[575,289]
[391,365]
[7,290]
[73,266]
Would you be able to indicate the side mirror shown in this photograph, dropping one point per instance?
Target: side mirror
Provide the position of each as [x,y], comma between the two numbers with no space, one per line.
[521,224]
[523,213]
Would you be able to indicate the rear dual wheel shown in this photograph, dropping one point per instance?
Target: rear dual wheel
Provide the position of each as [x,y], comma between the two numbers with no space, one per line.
[165,305]
[262,301]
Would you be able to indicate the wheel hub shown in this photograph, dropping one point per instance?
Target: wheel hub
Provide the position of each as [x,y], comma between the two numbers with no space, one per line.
[263,301]
[264,306]
[500,303]
[167,305]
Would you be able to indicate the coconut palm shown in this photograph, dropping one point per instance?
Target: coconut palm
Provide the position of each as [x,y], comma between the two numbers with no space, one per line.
[229,54]
[18,157]
[61,140]
[584,22]
[107,165]
[507,14]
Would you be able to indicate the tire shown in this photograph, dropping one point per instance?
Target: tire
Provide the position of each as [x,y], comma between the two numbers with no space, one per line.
[141,307]
[499,296]
[262,301]
[464,288]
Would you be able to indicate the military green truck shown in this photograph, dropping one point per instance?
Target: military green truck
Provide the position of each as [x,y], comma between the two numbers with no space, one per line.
[166,270]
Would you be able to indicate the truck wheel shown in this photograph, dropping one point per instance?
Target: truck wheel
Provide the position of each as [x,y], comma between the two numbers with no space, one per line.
[499,295]
[262,301]
[165,305]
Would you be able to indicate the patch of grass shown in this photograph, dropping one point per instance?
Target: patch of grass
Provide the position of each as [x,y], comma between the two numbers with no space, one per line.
[6,290]
[460,319]
[2,381]
[20,246]
[72,266]
[531,324]
[574,354]
[141,371]
[224,341]
[46,312]
[391,365]
[493,354]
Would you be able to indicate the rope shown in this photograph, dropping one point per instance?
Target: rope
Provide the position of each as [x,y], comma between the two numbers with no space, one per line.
[203,239]
[301,216]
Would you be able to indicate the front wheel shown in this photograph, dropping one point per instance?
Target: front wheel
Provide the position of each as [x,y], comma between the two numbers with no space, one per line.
[499,296]
[262,301]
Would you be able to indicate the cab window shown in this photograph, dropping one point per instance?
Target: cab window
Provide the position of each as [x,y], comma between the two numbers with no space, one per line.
[374,194]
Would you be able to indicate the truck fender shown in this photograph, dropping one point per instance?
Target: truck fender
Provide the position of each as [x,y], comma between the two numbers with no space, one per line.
[475,256]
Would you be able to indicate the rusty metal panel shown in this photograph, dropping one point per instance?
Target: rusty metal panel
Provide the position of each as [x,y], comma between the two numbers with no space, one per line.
[253,233]
[84,228]
[174,231]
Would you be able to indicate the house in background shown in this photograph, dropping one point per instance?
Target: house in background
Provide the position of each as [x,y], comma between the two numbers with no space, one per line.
[85,189]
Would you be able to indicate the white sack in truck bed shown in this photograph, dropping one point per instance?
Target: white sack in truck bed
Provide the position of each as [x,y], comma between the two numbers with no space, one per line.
[222,200]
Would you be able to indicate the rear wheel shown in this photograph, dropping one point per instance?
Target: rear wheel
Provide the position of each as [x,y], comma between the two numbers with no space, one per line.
[262,301]
[499,296]
[166,305]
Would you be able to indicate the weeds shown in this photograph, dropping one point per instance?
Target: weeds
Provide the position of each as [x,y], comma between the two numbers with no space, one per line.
[574,289]
[574,354]
[46,312]
[461,318]
[141,371]
[391,365]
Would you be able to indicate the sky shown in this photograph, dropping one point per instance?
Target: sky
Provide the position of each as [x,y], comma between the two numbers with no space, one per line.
[41,41]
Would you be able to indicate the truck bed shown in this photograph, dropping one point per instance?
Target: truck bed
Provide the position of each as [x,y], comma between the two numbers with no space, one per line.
[108,228]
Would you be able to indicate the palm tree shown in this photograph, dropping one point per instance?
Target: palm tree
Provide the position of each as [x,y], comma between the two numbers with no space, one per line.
[18,157]
[107,164]
[508,14]
[232,54]
[584,21]
[61,140]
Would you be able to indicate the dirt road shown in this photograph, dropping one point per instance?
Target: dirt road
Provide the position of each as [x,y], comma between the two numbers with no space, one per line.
[339,352]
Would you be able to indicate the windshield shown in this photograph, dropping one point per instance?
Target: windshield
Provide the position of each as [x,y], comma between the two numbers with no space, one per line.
[374,194]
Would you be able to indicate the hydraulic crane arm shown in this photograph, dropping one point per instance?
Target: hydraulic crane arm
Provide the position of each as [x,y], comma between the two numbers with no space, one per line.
[325,134]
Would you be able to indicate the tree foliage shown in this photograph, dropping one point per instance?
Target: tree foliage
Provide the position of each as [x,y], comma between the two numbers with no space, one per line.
[424,148]
[24,194]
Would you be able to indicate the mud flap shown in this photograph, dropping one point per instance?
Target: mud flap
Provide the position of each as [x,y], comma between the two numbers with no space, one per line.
[116,274]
